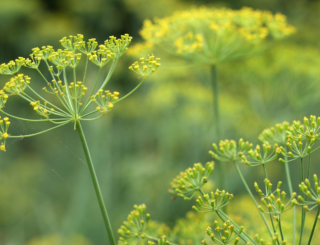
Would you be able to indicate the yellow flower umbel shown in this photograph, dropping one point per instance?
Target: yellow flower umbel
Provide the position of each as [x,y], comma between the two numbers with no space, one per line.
[4,126]
[75,100]
[3,98]
[213,36]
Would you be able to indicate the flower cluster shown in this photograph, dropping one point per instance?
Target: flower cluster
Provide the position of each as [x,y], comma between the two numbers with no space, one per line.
[11,68]
[212,35]
[313,195]
[275,135]
[4,126]
[187,183]
[3,99]
[162,241]
[133,230]
[214,202]
[42,109]
[149,66]
[269,154]
[226,234]
[105,100]
[301,137]
[101,57]
[229,150]
[69,91]
[273,200]
[17,84]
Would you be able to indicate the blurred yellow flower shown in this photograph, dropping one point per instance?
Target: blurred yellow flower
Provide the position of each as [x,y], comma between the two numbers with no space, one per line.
[214,36]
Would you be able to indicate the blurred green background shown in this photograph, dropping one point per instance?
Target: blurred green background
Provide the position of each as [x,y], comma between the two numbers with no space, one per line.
[163,128]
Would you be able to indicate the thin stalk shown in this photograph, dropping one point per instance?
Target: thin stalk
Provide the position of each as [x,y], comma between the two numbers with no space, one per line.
[86,104]
[215,92]
[85,70]
[244,236]
[309,164]
[253,199]
[30,135]
[67,90]
[96,184]
[131,91]
[75,92]
[113,66]
[314,225]
[56,107]
[33,120]
[286,165]
[271,219]
[303,210]
[280,228]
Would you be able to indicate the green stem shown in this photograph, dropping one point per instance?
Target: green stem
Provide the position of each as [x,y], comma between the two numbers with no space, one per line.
[252,197]
[33,120]
[280,228]
[113,66]
[215,91]
[85,70]
[244,236]
[92,92]
[270,215]
[308,169]
[314,225]
[96,184]
[131,91]
[303,210]
[290,191]
[44,131]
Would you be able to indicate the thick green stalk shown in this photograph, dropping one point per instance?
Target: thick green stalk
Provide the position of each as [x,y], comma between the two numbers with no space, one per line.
[314,225]
[303,216]
[96,184]
[215,91]
[290,191]
[253,199]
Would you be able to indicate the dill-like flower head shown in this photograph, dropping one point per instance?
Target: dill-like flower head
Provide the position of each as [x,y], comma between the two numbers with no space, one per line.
[212,36]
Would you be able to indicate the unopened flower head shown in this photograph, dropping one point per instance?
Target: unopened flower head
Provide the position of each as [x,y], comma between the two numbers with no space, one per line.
[311,192]
[161,241]
[225,234]
[187,183]
[118,46]
[307,131]
[213,202]
[213,36]
[257,157]
[133,230]
[301,137]
[229,150]
[276,134]
[275,202]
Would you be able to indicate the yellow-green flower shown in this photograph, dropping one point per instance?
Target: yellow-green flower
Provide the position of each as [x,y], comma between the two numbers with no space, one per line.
[213,36]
